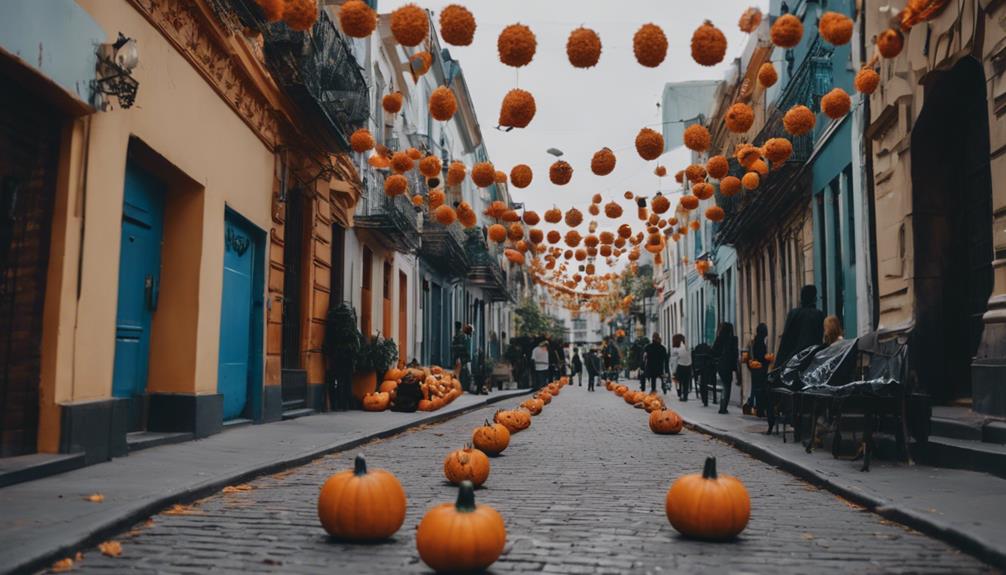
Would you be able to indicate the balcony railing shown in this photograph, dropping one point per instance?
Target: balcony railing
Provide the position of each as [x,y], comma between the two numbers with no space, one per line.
[394,219]
[486,271]
[443,247]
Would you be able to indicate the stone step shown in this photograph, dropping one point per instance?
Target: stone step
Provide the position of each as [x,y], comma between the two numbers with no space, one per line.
[964,454]
[295,413]
[139,440]
[22,468]
[956,428]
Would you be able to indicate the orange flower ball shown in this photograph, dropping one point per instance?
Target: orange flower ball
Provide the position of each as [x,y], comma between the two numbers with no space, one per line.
[594,210]
[867,81]
[717,167]
[300,15]
[606,238]
[583,48]
[835,28]
[521,175]
[890,42]
[553,216]
[437,198]
[535,235]
[396,185]
[697,138]
[273,9]
[799,120]
[695,173]
[660,171]
[787,31]
[767,76]
[430,166]
[497,233]
[760,167]
[730,185]
[484,174]
[679,176]
[709,45]
[456,173]
[574,217]
[596,199]
[357,19]
[445,215]
[531,218]
[703,191]
[518,109]
[443,104]
[777,150]
[392,103]
[695,224]
[747,154]
[836,104]
[624,232]
[602,164]
[689,202]
[417,201]
[715,214]
[572,238]
[410,25]
[560,173]
[739,118]
[420,62]
[516,45]
[457,25]
[515,232]
[750,20]
[414,153]
[629,195]
[361,140]
[500,177]
[649,144]
[751,181]
[554,237]
[650,45]
[401,162]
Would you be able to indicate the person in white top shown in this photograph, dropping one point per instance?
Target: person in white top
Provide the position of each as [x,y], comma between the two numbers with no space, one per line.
[540,358]
[682,358]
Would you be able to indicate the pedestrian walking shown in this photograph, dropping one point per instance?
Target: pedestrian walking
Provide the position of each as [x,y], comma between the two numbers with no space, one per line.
[704,372]
[683,360]
[461,355]
[540,357]
[577,369]
[726,351]
[593,367]
[654,363]
[613,359]
[804,326]
[756,402]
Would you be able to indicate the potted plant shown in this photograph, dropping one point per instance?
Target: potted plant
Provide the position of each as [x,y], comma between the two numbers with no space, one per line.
[376,357]
[342,349]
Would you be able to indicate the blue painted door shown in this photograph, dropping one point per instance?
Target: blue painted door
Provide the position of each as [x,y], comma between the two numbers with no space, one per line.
[139,279]
[237,314]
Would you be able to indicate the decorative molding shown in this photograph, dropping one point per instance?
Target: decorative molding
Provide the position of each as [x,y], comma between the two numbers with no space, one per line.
[190,27]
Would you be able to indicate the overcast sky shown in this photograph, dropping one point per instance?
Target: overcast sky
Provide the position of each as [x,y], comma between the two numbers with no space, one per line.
[581,111]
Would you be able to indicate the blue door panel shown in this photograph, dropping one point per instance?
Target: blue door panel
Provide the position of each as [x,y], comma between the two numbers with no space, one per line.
[237,316]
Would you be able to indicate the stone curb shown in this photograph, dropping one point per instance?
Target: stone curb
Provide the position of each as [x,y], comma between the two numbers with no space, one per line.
[987,551]
[192,492]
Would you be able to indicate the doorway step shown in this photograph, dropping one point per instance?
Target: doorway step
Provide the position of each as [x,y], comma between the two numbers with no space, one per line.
[139,440]
[36,466]
[962,439]
[294,383]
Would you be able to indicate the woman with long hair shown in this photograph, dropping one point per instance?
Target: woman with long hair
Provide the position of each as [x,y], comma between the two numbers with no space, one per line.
[683,359]
[726,352]
[832,330]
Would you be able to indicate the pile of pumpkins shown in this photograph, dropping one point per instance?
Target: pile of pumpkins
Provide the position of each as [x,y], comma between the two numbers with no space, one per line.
[663,421]
[439,387]
[452,537]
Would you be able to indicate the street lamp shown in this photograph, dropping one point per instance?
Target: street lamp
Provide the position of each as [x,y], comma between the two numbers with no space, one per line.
[116,63]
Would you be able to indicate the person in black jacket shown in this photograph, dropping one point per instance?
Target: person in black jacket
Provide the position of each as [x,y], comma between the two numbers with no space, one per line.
[705,372]
[725,349]
[593,367]
[577,367]
[654,363]
[759,376]
[804,326]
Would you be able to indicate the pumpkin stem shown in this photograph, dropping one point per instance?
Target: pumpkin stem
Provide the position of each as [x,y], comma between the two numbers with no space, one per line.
[709,471]
[466,497]
[360,466]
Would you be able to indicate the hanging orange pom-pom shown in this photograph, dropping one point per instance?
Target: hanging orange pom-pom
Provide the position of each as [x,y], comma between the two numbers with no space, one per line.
[300,15]
[484,174]
[760,168]
[515,232]
[560,173]
[717,167]
[613,210]
[660,171]
[466,215]
[583,48]
[751,181]
[867,81]
[536,236]
[628,195]
[709,45]
[703,191]
[357,19]
[740,117]
[890,42]
[514,256]
[730,185]
[750,20]
[554,237]
[660,204]
[414,153]
[516,45]
[695,224]
[572,238]
[401,162]
[689,202]
[396,185]
[410,25]
[392,103]
[417,200]
[787,31]
[777,150]
[430,166]
[521,176]
[747,154]
[695,173]
[799,120]
[456,173]
[445,215]
[650,45]
[835,28]
[443,105]
[603,163]
[500,177]
[518,109]
[624,232]
[649,144]
[272,9]
[361,140]
[531,218]
[767,76]
[574,217]
[553,216]
[836,104]
[457,25]
[420,63]
[497,233]
[697,138]
[379,162]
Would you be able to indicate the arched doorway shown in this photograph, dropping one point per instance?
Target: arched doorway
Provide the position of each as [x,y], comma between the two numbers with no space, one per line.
[952,225]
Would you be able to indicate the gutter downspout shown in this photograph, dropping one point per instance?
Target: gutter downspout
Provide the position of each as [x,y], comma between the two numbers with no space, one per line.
[871,199]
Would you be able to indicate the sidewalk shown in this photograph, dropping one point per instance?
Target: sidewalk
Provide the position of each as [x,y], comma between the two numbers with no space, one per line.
[42,521]
[964,508]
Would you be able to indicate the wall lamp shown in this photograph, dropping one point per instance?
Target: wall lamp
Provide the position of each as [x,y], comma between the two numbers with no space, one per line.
[116,63]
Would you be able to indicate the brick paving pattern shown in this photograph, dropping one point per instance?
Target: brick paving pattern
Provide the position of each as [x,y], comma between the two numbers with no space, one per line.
[582,491]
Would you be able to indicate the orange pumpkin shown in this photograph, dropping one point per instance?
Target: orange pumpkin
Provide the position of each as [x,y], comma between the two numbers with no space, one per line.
[491,438]
[467,464]
[463,537]
[533,406]
[715,214]
[708,506]
[346,505]
[376,401]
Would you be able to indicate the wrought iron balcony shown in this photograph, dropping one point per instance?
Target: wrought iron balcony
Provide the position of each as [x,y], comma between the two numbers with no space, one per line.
[443,247]
[394,220]
[485,272]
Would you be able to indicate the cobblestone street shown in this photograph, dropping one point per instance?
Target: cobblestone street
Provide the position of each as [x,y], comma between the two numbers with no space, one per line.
[581,491]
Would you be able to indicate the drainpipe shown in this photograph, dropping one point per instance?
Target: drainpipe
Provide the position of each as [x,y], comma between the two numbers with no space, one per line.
[871,199]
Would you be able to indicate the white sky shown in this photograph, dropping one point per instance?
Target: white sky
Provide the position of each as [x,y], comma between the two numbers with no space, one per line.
[581,111]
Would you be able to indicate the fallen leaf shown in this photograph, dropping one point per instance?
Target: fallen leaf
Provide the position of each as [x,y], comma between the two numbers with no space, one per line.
[95,498]
[179,509]
[62,566]
[238,488]
[807,536]
[110,548]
